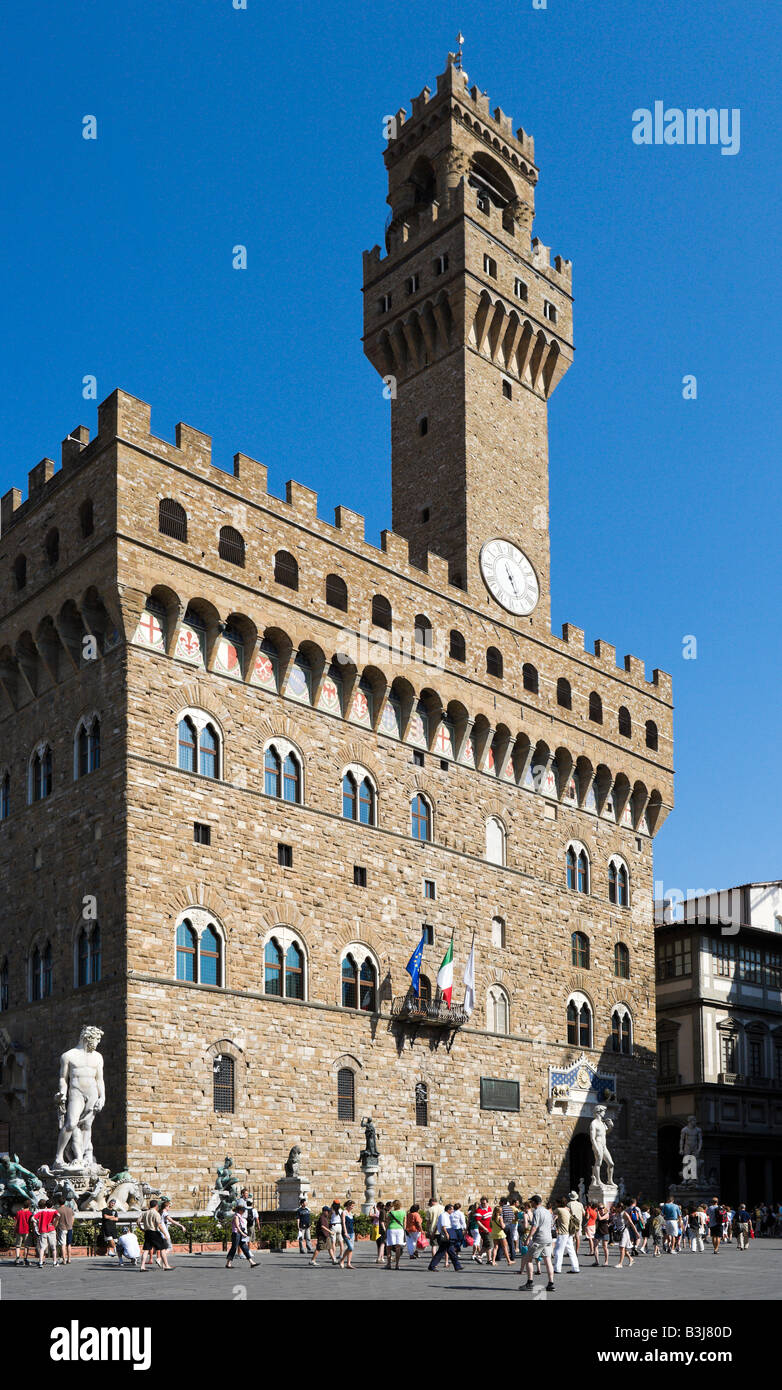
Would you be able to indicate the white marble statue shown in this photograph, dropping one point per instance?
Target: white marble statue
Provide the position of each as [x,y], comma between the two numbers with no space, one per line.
[690,1145]
[598,1133]
[79,1097]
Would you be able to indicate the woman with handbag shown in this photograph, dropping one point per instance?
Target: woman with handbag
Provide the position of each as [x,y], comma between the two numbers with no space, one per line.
[380,1238]
[413,1229]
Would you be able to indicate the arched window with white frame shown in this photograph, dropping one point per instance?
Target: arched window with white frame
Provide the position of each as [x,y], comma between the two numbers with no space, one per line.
[282,770]
[579,1020]
[359,795]
[621,1030]
[577,867]
[199,744]
[40,971]
[87,955]
[495,841]
[285,973]
[359,978]
[199,948]
[86,746]
[421,817]
[40,779]
[618,881]
[497,1010]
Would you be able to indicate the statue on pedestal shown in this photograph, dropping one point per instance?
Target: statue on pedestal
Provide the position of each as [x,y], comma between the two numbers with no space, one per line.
[292,1162]
[598,1133]
[368,1158]
[17,1185]
[80,1096]
[690,1146]
[226,1191]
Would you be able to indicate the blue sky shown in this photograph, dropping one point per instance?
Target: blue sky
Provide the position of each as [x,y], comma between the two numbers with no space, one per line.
[263,127]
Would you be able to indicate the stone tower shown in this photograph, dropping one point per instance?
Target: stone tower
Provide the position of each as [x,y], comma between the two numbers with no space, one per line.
[473,323]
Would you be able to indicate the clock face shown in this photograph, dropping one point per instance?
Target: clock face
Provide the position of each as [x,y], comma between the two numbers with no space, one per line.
[509,576]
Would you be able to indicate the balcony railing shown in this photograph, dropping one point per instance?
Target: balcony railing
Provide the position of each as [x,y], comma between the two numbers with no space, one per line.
[410,1008]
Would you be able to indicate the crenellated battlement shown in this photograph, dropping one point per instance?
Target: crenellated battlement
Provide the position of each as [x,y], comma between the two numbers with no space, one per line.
[125,418]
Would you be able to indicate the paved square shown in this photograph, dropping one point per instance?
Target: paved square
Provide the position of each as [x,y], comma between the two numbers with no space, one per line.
[288,1277]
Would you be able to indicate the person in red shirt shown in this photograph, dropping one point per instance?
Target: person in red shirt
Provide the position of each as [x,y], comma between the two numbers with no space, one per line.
[22,1224]
[483,1217]
[45,1223]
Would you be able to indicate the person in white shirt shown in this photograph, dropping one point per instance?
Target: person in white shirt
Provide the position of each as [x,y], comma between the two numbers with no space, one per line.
[445,1233]
[128,1249]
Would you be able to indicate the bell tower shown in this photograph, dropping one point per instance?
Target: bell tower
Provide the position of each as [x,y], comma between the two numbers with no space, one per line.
[470,323]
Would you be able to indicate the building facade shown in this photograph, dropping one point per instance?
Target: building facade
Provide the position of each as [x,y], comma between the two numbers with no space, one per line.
[719,1029]
[248,758]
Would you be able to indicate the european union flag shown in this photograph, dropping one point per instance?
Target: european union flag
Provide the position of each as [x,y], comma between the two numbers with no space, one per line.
[413,966]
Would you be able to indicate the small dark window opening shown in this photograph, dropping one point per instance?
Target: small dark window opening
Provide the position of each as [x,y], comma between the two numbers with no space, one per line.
[223,1085]
[336,592]
[494,663]
[625,724]
[346,1095]
[381,612]
[418,758]
[425,513]
[231,546]
[286,570]
[595,708]
[529,678]
[652,739]
[285,856]
[20,571]
[52,546]
[359,876]
[172,519]
[86,518]
[423,425]
[564,696]
[507,390]
[457,647]
[202,834]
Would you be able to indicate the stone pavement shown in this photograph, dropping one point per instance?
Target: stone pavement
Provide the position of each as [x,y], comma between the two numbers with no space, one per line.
[755,1274]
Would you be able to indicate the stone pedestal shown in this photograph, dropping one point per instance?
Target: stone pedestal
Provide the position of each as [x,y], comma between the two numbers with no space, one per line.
[89,1183]
[689,1194]
[602,1193]
[290,1192]
[370,1186]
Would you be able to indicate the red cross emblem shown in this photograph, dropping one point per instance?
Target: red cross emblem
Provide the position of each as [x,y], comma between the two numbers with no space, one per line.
[150,626]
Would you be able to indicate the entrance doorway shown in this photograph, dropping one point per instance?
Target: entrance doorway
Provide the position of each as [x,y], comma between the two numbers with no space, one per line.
[423,1183]
[580,1155]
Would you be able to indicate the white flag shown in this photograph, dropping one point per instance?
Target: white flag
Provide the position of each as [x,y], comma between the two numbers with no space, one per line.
[469,981]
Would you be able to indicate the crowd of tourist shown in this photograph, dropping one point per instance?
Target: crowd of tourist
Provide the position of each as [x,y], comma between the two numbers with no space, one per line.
[540,1235]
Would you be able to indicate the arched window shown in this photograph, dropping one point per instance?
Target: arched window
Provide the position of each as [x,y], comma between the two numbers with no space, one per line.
[423,632]
[88,747]
[457,648]
[564,695]
[625,723]
[186,742]
[172,519]
[652,738]
[223,1074]
[4,986]
[618,882]
[88,956]
[358,797]
[577,867]
[5,796]
[424,989]
[272,772]
[621,1030]
[421,1103]
[286,570]
[381,612]
[579,950]
[346,1095]
[51,546]
[529,678]
[595,708]
[86,518]
[20,571]
[41,774]
[231,546]
[294,972]
[186,945]
[349,983]
[41,972]
[83,958]
[621,961]
[579,1022]
[209,957]
[95,955]
[494,662]
[208,763]
[421,818]
[368,988]
[291,779]
[495,841]
[497,1010]
[272,975]
[336,592]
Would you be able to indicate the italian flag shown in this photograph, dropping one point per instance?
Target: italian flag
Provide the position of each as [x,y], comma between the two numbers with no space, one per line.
[445,974]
